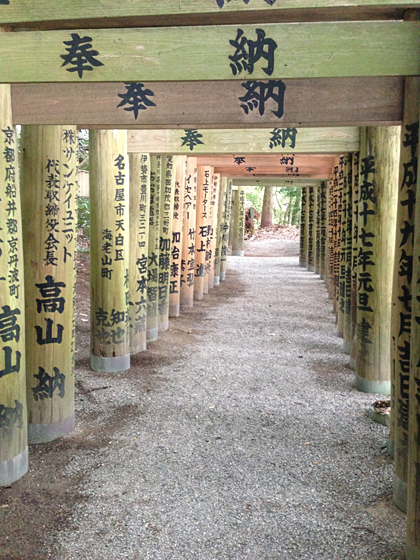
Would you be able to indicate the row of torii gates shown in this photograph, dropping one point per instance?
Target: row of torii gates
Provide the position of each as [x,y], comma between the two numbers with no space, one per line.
[320,94]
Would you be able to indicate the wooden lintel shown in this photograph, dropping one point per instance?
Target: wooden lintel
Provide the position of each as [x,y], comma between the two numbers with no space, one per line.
[366,101]
[61,14]
[277,140]
[275,182]
[307,174]
[305,50]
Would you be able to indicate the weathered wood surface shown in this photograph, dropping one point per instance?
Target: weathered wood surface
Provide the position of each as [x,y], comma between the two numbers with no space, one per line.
[312,102]
[245,141]
[13,429]
[70,13]
[314,166]
[305,50]
[49,191]
[274,181]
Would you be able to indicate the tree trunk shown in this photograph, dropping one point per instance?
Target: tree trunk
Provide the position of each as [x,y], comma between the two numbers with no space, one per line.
[267,209]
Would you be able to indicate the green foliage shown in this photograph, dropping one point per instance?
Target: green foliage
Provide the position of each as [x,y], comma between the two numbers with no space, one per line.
[83,215]
[286,210]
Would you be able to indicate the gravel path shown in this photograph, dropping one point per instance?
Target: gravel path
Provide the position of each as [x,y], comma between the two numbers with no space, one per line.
[237,436]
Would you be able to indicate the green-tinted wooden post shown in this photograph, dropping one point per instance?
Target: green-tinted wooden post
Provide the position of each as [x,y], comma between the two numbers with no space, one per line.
[378,187]
[317,260]
[238,223]
[139,241]
[220,229]
[354,259]
[322,201]
[213,237]
[332,217]
[203,202]
[413,484]
[49,217]
[346,252]
[226,226]
[167,192]
[13,427]
[303,240]
[177,236]
[311,228]
[188,239]
[207,219]
[109,269]
[401,323]
[154,235]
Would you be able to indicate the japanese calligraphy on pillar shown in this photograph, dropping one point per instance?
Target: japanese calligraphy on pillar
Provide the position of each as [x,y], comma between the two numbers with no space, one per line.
[303,243]
[219,228]
[355,237]
[311,225]
[154,238]
[49,166]
[365,262]
[225,227]
[165,240]
[213,223]
[189,233]
[112,323]
[139,242]
[202,228]
[322,201]
[177,234]
[402,313]
[13,432]
[337,241]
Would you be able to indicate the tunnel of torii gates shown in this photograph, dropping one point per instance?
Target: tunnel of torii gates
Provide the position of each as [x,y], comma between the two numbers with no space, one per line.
[188,102]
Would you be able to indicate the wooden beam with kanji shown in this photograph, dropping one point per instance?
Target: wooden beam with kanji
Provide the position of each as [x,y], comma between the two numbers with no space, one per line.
[196,142]
[56,14]
[358,101]
[221,52]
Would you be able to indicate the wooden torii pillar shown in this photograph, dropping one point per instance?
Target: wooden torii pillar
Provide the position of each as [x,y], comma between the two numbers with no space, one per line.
[13,426]
[303,241]
[109,268]
[49,187]
[139,243]
[238,223]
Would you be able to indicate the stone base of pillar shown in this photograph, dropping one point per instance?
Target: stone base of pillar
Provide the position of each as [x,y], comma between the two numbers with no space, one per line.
[412,551]
[340,334]
[238,253]
[187,302]
[346,347]
[368,386]
[216,281]
[198,296]
[163,327]
[311,268]
[13,469]
[139,348]
[42,433]
[174,310]
[222,276]
[399,496]
[390,447]
[152,335]
[303,264]
[352,363]
[323,277]
[110,365]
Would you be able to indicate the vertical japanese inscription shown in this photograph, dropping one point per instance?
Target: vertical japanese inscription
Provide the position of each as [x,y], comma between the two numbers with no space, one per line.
[189,233]
[365,262]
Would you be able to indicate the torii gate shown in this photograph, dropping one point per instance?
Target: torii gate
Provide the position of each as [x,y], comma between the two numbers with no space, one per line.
[207,65]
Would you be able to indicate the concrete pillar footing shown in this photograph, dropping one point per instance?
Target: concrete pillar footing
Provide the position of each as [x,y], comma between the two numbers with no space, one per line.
[399,496]
[369,386]
[152,335]
[110,365]
[42,433]
[13,469]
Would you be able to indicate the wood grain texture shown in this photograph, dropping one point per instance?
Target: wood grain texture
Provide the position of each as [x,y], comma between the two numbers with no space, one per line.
[305,50]
[310,102]
[66,13]
[245,141]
